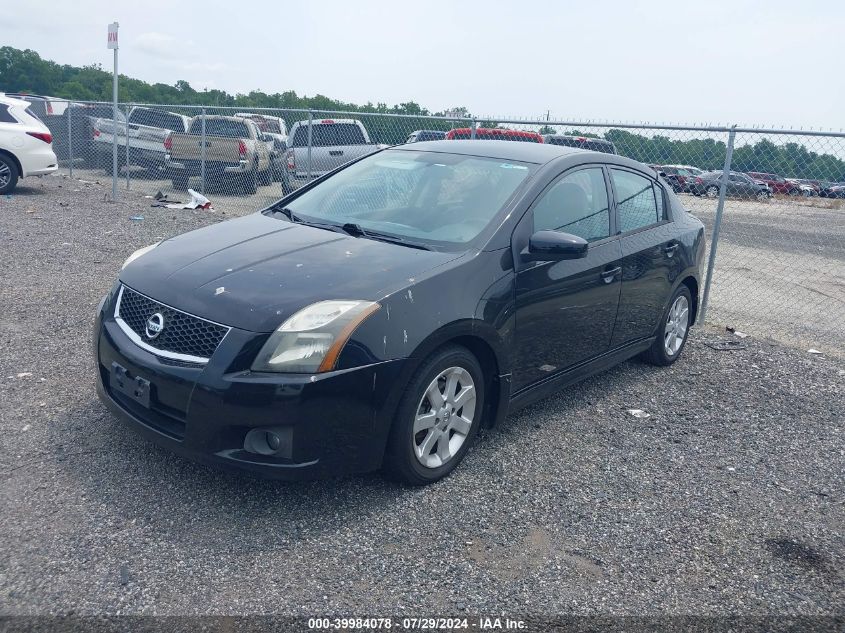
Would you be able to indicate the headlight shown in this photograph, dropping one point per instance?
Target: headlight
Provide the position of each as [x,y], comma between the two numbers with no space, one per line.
[138,253]
[310,341]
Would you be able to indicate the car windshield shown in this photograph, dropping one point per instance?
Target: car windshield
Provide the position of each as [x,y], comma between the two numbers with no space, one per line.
[421,197]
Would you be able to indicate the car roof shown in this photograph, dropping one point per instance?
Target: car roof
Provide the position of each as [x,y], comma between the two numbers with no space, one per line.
[538,153]
[13,101]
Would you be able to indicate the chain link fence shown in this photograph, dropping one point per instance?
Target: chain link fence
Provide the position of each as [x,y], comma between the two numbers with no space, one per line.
[773,201]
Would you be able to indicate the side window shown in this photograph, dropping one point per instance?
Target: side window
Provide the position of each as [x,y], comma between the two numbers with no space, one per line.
[5,115]
[576,204]
[637,200]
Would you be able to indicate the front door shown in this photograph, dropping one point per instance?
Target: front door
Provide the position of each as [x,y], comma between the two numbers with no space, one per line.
[565,310]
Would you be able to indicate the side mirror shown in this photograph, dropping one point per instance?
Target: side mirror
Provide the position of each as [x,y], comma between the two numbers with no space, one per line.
[545,246]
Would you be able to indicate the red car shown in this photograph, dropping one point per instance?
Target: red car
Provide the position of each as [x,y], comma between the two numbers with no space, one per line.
[778,184]
[497,134]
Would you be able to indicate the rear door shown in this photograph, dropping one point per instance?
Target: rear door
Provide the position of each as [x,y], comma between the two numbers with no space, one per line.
[565,310]
[649,249]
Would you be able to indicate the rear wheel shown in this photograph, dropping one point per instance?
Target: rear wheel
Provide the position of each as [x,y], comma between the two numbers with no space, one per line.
[249,183]
[8,174]
[180,183]
[673,330]
[266,177]
[437,418]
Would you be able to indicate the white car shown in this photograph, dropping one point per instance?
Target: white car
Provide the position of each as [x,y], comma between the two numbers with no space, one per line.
[25,144]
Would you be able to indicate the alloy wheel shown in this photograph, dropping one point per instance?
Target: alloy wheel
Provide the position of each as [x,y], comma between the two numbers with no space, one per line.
[677,323]
[444,417]
[5,175]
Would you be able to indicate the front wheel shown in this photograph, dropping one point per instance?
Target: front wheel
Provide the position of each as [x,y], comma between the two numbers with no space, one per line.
[673,330]
[762,196]
[437,418]
[712,191]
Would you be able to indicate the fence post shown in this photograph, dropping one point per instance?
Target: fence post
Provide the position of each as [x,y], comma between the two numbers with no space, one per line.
[717,225]
[69,112]
[310,128]
[203,154]
[472,130]
[126,141]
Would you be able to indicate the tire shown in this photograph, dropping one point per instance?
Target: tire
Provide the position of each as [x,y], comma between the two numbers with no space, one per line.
[286,186]
[249,183]
[712,191]
[444,433]
[266,177]
[180,183]
[658,353]
[8,174]
[762,196]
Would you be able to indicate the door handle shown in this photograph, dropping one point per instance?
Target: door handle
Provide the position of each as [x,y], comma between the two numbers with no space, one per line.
[336,153]
[609,275]
[670,249]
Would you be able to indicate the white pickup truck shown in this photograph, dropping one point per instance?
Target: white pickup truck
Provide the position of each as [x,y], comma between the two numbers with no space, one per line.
[144,131]
[333,143]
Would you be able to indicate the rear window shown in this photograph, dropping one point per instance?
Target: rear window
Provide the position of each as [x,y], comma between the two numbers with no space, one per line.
[599,146]
[221,127]
[329,134]
[431,135]
[157,118]
[268,125]
[565,141]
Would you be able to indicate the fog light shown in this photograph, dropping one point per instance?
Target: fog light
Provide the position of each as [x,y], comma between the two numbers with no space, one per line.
[273,441]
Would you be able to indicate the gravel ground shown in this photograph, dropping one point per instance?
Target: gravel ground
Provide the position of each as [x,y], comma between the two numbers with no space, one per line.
[728,499]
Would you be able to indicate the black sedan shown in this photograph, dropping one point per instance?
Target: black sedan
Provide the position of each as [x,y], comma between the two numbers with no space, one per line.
[738,185]
[380,315]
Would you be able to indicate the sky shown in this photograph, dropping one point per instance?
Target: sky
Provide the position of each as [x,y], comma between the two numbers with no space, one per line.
[763,63]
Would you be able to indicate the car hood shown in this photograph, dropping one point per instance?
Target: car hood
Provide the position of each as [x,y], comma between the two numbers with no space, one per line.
[254,272]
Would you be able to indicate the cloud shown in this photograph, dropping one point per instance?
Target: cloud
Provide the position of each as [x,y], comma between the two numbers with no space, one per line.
[161,45]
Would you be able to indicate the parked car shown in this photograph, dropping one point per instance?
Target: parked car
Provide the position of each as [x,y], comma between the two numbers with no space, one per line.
[582,142]
[833,190]
[380,316]
[144,131]
[42,106]
[276,130]
[235,153]
[494,133]
[425,135]
[333,143]
[738,185]
[677,175]
[806,188]
[25,144]
[778,184]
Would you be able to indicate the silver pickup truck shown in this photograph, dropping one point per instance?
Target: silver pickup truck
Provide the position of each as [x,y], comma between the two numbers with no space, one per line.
[333,143]
[144,131]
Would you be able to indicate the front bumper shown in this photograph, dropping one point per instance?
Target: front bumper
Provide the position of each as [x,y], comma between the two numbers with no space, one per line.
[331,424]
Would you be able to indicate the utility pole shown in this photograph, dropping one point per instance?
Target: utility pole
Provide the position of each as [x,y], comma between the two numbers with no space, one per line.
[112,43]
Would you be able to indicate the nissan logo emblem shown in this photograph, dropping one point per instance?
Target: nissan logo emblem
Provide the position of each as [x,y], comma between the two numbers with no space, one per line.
[155,324]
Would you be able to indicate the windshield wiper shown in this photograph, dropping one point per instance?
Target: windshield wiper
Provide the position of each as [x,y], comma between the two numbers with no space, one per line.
[356,230]
[290,215]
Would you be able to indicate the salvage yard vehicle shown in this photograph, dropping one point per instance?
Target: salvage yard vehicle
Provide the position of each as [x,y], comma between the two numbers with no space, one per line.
[333,143]
[417,136]
[738,185]
[25,144]
[275,132]
[495,133]
[778,184]
[379,316]
[235,153]
[583,142]
[144,131]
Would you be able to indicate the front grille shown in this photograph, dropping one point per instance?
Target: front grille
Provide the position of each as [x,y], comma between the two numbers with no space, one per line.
[184,337]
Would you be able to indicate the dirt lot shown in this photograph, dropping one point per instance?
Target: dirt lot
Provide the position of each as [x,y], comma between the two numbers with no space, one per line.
[729,498]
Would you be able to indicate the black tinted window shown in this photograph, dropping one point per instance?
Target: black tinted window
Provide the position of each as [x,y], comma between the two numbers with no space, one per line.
[329,134]
[157,118]
[565,141]
[221,127]
[5,115]
[636,201]
[576,204]
[598,146]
